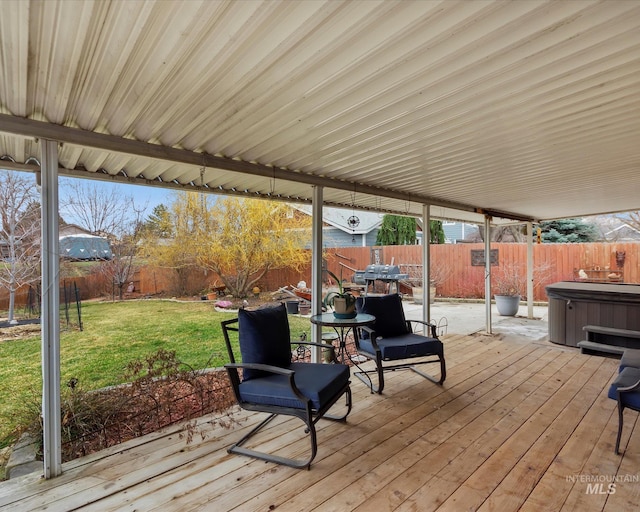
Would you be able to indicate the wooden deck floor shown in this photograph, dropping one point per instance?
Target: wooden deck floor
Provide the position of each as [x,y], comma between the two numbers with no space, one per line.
[518,425]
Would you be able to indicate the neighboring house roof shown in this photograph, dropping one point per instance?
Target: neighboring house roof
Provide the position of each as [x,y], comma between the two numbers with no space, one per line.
[72,229]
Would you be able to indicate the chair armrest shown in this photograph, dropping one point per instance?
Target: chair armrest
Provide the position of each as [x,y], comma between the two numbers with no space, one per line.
[271,369]
[368,329]
[434,334]
[629,389]
[373,335]
[262,367]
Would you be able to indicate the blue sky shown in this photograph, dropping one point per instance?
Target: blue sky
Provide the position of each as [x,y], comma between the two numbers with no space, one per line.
[149,196]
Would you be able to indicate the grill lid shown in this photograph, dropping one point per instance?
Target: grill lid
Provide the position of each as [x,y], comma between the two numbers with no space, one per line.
[388,272]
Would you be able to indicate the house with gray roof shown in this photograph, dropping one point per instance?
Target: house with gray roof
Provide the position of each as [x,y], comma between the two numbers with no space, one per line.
[347,228]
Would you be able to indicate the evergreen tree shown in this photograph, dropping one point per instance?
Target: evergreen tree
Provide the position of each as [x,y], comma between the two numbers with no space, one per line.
[568,231]
[397,230]
[159,223]
[437,232]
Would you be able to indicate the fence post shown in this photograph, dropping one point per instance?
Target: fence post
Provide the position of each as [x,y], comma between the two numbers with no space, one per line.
[78,303]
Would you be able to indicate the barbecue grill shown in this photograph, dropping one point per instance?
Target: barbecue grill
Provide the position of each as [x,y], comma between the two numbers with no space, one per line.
[389,274]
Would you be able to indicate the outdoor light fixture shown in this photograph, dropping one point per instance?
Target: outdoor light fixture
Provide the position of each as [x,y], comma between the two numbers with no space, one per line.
[354,221]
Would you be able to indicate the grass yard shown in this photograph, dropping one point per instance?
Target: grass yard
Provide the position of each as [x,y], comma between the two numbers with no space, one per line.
[114,334]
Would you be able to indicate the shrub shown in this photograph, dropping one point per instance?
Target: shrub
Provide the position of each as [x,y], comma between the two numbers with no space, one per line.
[162,391]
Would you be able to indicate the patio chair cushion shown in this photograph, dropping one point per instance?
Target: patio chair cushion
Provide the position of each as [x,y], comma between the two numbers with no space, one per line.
[389,313]
[404,346]
[318,382]
[264,338]
[627,377]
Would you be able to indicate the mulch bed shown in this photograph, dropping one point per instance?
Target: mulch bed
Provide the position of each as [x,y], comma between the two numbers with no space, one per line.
[126,412]
[134,411]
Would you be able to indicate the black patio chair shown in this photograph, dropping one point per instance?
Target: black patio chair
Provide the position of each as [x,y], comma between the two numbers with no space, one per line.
[391,338]
[272,383]
[625,389]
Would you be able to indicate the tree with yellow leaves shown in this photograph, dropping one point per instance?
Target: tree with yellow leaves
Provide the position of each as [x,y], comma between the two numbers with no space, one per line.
[239,240]
[173,240]
[249,237]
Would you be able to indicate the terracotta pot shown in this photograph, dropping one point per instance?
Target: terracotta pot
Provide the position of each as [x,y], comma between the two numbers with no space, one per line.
[304,308]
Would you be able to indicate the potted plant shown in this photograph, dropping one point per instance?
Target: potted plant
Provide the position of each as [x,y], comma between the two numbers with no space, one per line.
[342,302]
[439,272]
[508,287]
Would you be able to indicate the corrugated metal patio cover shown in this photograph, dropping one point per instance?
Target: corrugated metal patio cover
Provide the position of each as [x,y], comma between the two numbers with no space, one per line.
[528,108]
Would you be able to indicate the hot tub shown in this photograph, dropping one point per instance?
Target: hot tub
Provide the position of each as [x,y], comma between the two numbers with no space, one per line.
[572,305]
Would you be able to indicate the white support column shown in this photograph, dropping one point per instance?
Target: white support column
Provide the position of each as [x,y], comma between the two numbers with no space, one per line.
[50,327]
[316,268]
[529,270]
[487,271]
[426,265]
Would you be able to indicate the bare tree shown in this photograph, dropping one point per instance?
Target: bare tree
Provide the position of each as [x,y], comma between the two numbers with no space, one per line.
[101,210]
[630,219]
[111,215]
[121,268]
[19,234]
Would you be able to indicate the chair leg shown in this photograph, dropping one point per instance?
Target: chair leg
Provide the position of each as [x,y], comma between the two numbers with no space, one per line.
[380,369]
[309,420]
[443,372]
[342,417]
[364,374]
[364,377]
[294,463]
[620,420]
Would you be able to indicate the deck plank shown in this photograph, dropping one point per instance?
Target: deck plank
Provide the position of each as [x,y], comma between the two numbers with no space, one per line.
[627,487]
[514,490]
[431,487]
[513,423]
[479,487]
[568,467]
[392,481]
[602,462]
[415,390]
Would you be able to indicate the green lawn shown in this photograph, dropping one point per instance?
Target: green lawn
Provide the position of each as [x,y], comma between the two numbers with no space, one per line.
[115,334]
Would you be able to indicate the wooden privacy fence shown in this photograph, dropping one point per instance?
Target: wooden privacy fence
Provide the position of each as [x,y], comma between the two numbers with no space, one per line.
[456,272]
[457,269]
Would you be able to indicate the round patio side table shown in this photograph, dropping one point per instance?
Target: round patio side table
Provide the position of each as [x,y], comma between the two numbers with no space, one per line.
[343,326]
